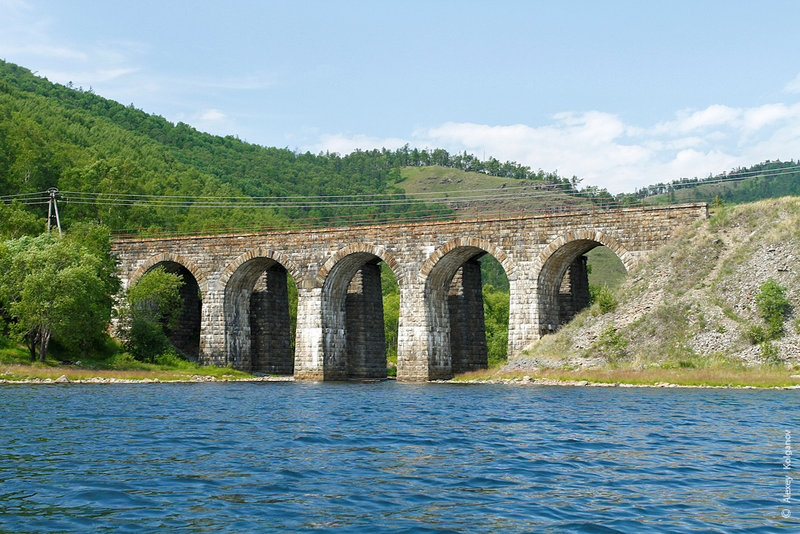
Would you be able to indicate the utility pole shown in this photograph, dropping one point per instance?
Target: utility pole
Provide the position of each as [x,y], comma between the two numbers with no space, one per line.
[52,206]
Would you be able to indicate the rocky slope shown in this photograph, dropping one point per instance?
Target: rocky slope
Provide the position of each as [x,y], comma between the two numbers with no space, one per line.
[692,303]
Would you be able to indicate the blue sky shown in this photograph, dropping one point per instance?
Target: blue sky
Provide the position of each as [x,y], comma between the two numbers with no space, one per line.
[621,94]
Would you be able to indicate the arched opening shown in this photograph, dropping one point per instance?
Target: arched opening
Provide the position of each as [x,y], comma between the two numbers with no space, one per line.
[466,306]
[604,268]
[354,326]
[186,336]
[260,307]
[567,277]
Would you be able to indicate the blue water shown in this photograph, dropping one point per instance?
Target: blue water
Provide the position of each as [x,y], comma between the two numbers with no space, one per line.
[394,457]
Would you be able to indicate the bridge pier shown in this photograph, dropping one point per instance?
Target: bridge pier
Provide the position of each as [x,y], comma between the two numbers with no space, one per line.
[308,358]
[522,310]
[412,334]
[212,329]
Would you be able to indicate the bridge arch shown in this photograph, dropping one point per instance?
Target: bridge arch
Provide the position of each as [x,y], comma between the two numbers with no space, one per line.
[453,300]
[563,256]
[169,257]
[257,311]
[375,250]
[467,242]
[353,342]
[186,337]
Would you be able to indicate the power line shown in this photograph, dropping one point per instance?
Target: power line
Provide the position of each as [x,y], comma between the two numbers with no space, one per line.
[542,191]
[355,195]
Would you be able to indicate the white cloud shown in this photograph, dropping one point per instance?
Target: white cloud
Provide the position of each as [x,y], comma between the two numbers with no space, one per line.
[212,115]
[86,77]
[793,86]
[344,144]
[607,152]
[757,118]
[691,121]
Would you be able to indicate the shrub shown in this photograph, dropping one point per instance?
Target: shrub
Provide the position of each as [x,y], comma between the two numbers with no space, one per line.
[770,353]
[171,358]
[757,334]
[613,342]
[604,297]
[146,339]
[124,359]
[773,305]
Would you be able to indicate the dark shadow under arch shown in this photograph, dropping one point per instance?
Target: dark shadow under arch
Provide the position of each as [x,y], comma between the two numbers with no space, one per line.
[354,342]
[563,284]
[186,337]
[258,328]
[454,313]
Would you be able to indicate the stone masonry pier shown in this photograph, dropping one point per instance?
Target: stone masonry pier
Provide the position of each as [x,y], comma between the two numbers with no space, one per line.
[236,308]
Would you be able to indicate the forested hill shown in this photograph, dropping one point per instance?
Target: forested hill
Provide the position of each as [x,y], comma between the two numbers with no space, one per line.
[72,139]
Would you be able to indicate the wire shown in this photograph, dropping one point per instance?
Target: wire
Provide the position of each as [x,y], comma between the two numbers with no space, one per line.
[359,195]
[536,190]
[22,195]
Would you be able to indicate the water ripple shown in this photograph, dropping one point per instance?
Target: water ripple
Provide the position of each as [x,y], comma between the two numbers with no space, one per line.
[392,457]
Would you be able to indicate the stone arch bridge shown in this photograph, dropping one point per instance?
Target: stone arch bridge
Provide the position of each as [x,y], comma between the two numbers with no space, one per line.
[236,309]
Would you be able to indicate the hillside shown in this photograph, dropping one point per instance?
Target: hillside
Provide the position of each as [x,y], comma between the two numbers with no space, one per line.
[769,179]
[491,195]
[56,136]
[72,139]
[693,303]
[77,141]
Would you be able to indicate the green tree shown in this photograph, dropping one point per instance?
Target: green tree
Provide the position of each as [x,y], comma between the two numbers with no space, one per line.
[16,221]
[96,313]
[53,286]
[151,306]
[773,305]
[495,313]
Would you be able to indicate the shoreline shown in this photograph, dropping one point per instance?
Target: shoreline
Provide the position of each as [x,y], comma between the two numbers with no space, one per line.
[519,381]
[529,381]
[190,379]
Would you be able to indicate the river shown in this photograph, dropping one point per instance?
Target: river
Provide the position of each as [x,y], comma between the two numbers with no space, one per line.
[387,456]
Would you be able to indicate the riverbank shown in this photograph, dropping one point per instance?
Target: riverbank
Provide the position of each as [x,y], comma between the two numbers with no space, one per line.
[112,370]
[530,381]
[147,380]
[624,378]
[733,376]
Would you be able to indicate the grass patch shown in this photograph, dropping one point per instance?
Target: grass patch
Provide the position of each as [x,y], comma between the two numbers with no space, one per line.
[447,180]
[53,370]
[15,364]
[761,376]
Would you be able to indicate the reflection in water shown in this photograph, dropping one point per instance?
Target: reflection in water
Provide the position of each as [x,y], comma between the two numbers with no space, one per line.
[388,456]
